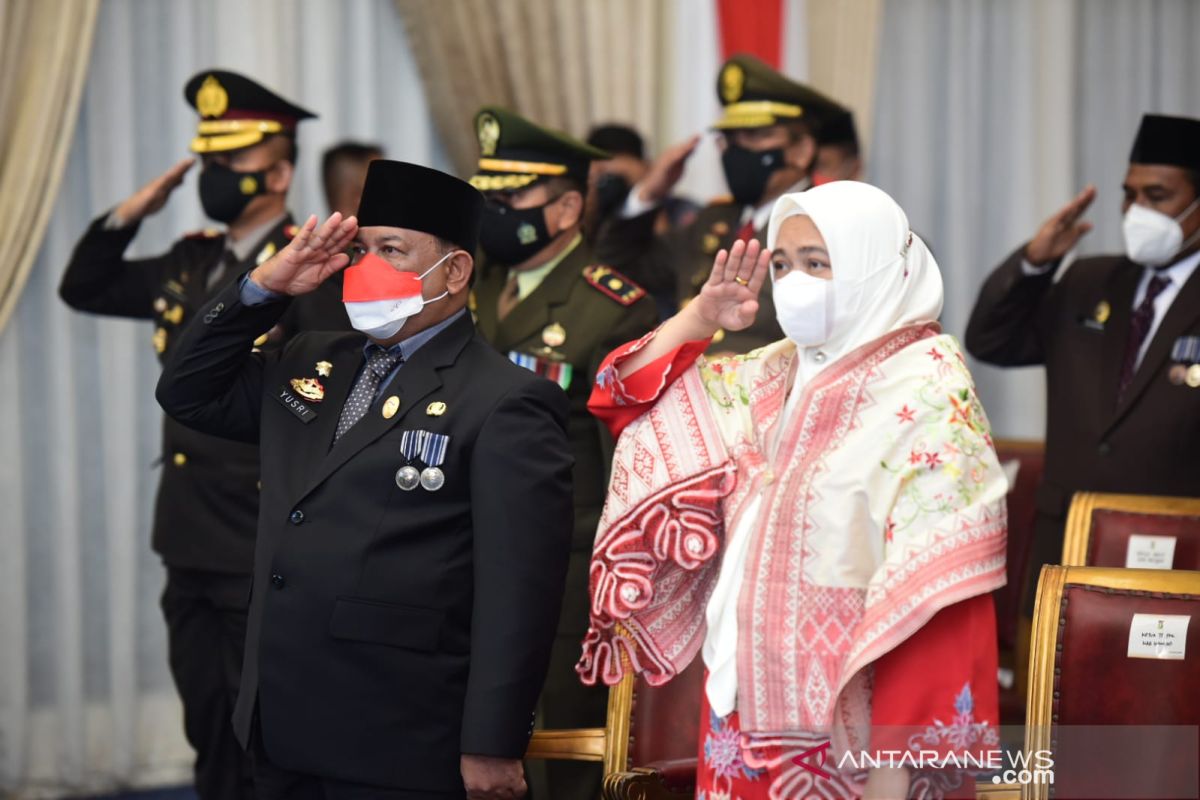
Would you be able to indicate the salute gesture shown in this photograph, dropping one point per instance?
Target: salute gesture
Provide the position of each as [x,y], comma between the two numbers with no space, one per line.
[310,258]
[1061,232]
[153,196]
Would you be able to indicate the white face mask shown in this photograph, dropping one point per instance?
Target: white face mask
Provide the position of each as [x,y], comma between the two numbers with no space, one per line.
[1153,239]
[804,307]
[383,319]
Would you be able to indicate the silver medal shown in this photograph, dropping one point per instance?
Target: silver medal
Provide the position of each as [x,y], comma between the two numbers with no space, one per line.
[407,478]
[432,479]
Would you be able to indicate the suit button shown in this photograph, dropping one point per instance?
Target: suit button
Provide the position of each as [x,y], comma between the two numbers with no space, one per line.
[297,517]
[1104,449]
[277,581]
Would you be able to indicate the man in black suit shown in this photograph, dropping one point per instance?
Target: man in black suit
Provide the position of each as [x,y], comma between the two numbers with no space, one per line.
[416,507]
[207,505]
[1119,336]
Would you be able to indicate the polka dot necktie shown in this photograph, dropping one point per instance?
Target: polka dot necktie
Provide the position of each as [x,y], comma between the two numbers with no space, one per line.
[379,363]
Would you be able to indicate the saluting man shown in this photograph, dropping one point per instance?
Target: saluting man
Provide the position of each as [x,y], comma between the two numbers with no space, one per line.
[1119,336]
[768,148]
[206,511]
[416,507]
[551,307]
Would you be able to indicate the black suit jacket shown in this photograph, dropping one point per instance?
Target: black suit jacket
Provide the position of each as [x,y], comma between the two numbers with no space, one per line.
[207,504]
[390,631]
[1078,328]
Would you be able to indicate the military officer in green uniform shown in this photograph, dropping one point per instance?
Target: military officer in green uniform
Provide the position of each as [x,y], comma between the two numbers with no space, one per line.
[206,509]
[545,301]
[768,148]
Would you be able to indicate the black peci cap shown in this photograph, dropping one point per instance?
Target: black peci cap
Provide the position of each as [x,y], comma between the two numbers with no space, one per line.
[236,112]
[402,195]
[1171,141]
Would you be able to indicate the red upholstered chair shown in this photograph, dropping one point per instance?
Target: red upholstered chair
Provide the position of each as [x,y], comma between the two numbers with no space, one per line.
[1099,527]
[1030,459]
[1090,687]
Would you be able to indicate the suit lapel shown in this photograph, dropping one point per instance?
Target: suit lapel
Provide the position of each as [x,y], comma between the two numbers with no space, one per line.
[1120,294]
[347,360]
[1181,315]
[533,313]
[417,379]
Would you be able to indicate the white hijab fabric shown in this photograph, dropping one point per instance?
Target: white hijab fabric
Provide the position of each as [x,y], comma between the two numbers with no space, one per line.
[884,277]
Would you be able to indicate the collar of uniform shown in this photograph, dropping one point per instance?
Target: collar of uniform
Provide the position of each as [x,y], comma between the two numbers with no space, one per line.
[406,348]
[244,247]
[530,279]
[1178,273]
[762,214]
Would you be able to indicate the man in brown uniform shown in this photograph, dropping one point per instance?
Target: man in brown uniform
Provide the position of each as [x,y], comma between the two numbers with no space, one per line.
[545,301]
[768,149]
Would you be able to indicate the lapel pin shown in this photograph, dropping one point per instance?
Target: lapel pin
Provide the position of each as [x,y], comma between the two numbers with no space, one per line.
[1102,312]
[391,406]
[324,368]
[1193,376]
[435,409]
[160,305]
[309,389]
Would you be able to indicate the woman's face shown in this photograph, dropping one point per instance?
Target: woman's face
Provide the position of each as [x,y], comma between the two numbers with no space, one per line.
[800,246]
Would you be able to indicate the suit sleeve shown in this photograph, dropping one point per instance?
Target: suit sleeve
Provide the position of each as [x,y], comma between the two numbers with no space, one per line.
[213,379]
[523,519]
[101,280]
[632,247]
[1005,327]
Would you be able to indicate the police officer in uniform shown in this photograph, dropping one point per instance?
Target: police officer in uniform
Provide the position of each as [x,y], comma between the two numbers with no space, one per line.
[550,306]
[207,505]
[768,148]
[1119,336]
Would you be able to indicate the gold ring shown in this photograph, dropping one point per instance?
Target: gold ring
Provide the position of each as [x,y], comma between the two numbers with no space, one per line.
[741,280]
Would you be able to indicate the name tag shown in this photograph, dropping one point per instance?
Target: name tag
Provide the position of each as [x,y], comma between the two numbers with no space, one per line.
[294,404]
[1161,636]
[1150,552]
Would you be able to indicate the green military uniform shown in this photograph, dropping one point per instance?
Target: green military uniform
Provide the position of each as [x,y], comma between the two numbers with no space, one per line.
[571,313]
[206,509]
[753,96]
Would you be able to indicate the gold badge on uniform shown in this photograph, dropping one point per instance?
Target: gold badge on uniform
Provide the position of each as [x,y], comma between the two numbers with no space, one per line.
[1102,312]
[265,253]
[260,341]
[720,228]
[709,244]
[391,406]
[175,315]
[324,368]
[160,305]
[309,389]
[1193,376]
[435,409]
[733,79]
[248,185]
[212,100]
[487,128]
[554,334]
[160,339]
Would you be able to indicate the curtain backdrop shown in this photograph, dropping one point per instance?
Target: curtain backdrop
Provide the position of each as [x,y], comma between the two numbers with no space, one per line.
[991,114]
[43,62]
[86,702]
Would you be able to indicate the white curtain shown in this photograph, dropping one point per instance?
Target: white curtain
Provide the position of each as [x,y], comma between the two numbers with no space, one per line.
[991,114]
[86,702]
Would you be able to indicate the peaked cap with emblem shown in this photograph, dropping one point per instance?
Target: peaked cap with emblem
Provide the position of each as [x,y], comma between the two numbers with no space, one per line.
[755,96]
[515,153]
[236,112]
[1170,141]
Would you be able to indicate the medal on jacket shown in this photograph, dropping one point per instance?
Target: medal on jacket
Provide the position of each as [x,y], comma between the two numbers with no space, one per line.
[429,449]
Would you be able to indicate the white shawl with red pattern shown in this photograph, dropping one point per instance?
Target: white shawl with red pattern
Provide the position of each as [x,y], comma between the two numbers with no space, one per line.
[883,503]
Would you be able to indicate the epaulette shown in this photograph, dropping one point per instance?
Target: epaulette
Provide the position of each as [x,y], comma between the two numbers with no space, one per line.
[721,200]
[612,283]
[206,233]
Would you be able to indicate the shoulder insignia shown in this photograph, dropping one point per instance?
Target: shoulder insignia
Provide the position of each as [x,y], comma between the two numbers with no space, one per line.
[291,230]
[206,233]
[608,281]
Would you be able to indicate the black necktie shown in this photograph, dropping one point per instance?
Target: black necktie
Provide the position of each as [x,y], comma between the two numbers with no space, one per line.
[1139,326]
[228,262]
[379,363]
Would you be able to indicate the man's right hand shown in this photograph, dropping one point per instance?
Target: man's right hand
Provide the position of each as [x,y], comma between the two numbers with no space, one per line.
[666,171]
[1061,232]
[309,258]
[153,196]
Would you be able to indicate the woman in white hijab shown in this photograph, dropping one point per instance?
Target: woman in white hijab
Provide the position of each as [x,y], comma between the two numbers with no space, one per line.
[821,520]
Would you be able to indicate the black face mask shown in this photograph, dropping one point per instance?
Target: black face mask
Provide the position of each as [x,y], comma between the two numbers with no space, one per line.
[611,191]
[747,171]
[224,194]
[512,235]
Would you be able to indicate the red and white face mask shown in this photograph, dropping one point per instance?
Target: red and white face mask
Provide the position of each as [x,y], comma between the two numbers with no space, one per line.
[379,298]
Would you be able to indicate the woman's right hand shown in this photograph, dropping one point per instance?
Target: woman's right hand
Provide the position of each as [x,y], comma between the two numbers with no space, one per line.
[729,298]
